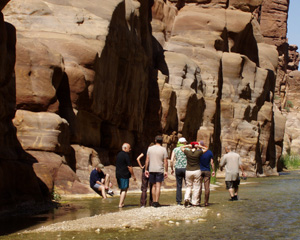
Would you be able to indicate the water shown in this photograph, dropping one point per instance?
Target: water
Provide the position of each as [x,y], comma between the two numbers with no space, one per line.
[269,208]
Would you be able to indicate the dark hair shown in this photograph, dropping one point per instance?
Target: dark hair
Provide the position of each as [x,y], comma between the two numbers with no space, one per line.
[159,139]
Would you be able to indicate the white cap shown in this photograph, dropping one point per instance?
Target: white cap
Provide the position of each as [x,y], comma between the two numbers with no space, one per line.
[182,140]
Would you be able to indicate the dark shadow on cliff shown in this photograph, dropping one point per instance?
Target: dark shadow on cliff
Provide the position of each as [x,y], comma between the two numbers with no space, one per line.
[21,191]
[126,92]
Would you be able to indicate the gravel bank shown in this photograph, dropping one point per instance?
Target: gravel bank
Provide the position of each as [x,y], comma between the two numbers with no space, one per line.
[133,218]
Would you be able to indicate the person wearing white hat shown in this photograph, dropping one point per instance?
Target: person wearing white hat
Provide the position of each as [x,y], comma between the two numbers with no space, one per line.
[179,160]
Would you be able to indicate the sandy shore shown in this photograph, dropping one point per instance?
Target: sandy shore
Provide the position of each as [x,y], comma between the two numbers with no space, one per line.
[139,218]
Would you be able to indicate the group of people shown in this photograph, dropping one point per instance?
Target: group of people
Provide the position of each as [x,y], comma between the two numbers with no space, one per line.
[193,164]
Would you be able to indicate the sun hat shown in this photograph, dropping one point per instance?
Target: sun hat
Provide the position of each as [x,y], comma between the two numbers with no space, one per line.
[182,140]
[100,166]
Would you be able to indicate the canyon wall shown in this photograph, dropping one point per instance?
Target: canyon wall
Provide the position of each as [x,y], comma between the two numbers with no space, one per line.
[91,76]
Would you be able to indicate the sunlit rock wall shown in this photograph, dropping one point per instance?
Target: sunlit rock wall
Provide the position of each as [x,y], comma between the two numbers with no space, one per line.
[234,76]
[91,76]
[85,79]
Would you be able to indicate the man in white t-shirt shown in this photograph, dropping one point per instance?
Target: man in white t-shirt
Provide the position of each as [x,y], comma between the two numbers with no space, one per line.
[158,168]
[232,163]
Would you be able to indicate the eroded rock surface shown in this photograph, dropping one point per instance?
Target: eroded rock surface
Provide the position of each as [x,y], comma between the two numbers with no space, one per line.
[91,76]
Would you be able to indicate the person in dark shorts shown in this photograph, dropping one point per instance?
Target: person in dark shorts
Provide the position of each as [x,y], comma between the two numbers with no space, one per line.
[206,160]
[100,182]
[124,171]
[158,168]
[232,162]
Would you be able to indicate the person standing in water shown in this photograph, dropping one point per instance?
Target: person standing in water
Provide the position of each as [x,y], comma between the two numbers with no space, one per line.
[124,171]
[193,173]
[232,162]
[179,160]
[158,168]
[206,160]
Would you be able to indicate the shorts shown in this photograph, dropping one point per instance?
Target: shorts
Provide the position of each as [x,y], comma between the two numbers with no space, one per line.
[232,184]
[123,183]
[205,174]
[155,177]
[96,187]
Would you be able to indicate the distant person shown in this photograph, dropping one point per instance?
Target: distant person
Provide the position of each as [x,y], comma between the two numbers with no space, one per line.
[206,160]
[124,171]
[232,163]
[179,160]
[100,182]
[192,174]
[141,160]
[158,168]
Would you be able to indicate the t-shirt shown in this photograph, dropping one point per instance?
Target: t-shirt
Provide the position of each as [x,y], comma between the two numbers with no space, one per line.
[232,162]
[96,176]
[192,159]
[156,154]
[181,159]
[122,164]
[205,160]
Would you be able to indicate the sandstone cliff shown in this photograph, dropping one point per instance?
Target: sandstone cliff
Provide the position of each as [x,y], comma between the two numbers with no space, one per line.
[91,76]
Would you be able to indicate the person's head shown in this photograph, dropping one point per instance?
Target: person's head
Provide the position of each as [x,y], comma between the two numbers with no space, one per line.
[202,143]
[159,139]
[126,147]
[193,144]
[99,167]
[227,149]
[181,141]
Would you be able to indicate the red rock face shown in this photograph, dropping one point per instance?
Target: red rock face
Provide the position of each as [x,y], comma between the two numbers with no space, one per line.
[89,78]
[273,21]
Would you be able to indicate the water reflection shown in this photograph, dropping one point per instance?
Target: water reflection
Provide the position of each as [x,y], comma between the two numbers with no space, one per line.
[269,208]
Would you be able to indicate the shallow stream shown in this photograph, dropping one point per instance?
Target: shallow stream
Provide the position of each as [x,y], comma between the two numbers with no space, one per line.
[269,208]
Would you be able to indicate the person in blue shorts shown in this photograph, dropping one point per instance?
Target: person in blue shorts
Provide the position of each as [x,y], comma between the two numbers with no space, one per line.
[124,171]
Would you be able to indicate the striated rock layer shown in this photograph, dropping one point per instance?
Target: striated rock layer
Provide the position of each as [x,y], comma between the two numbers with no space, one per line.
[91,76]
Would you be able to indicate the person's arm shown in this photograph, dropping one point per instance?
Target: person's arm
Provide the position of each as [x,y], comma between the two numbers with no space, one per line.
[243,173]
[166,167]
[184,147]
[139,160]
[132,173]
[222,163]
[146,166]
[173,160]
[203,148]
[212,167]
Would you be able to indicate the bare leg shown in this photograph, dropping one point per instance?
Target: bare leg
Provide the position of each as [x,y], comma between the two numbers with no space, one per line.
[157,191]
[207,190]
[236,191]
[122,197]
[231,192]
[154,192]
[102,190]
